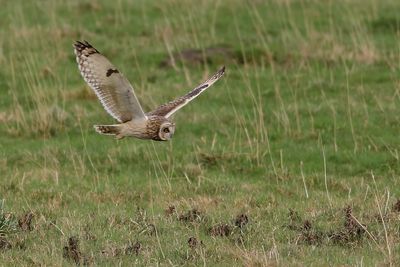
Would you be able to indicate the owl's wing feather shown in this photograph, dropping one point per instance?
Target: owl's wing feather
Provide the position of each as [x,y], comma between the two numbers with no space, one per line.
[170,108]
[111,87]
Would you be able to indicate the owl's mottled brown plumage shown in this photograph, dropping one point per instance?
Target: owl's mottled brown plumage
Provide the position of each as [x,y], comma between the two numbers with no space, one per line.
[111,87]
[169,108]
[119,100]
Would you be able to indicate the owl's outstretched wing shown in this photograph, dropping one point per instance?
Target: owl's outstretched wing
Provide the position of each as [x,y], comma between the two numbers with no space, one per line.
[111,87]
[170,108]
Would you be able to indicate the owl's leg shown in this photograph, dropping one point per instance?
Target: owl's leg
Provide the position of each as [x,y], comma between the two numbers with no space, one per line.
[109,130]
[119,136]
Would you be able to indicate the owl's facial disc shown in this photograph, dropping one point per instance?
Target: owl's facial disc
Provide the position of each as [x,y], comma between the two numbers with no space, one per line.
[167,130]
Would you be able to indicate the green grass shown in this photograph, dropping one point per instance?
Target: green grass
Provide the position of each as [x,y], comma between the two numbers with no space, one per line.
[304,124]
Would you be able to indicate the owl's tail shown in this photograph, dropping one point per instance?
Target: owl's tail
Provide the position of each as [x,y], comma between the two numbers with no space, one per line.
[109,130]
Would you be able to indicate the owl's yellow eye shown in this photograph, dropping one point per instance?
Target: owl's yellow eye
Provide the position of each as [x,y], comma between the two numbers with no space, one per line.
[166,130]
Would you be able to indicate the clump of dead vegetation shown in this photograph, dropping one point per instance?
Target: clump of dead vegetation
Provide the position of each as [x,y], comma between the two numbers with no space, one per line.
[351,232]
[241,220]
[196,249]
[191,216]
[235,228]
[140,222]
[72,252]
[87,233]
[170,210]
[307,232]
[193,242]
[221,229]
[396,206]
[25,222]
[4,244]
[131,248]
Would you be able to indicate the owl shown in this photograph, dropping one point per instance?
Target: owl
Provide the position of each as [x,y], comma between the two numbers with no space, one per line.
[119,100]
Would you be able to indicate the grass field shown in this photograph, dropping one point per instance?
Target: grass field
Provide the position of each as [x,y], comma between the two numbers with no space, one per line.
[292,158]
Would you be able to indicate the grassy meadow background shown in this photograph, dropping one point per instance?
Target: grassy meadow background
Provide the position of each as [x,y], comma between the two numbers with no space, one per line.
[292,158]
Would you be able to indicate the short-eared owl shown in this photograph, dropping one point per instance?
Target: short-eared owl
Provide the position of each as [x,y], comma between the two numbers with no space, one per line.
[118,98]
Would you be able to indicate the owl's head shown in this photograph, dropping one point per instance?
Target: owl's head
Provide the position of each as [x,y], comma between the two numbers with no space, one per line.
[166,131]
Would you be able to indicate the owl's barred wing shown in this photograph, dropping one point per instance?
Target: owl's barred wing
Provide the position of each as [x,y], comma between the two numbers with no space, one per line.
[111,87]
[170,108]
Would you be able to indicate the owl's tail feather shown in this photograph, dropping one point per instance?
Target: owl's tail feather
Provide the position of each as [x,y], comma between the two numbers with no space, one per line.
[109,130]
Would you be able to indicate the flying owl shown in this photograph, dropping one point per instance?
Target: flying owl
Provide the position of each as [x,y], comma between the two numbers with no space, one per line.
[119,100]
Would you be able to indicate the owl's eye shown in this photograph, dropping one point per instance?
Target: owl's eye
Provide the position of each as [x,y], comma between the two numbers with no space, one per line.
[166,130]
